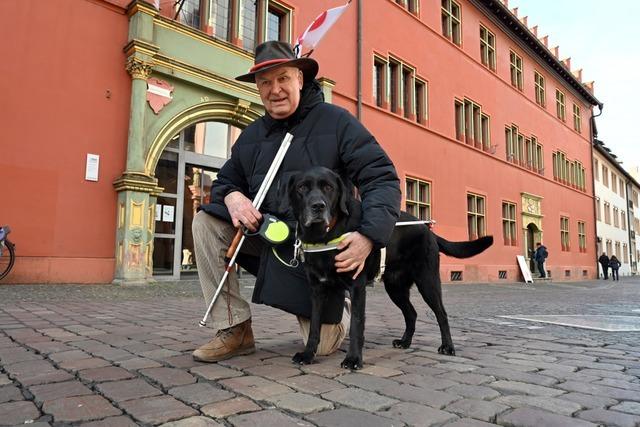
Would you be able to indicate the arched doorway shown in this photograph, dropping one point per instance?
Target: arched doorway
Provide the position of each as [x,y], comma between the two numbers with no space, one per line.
[532,235]
[186,168]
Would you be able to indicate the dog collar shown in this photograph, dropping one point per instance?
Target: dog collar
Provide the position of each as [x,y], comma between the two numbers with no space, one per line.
[322,247]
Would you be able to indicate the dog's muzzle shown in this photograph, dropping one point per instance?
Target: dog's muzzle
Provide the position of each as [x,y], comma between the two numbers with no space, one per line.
[316,211]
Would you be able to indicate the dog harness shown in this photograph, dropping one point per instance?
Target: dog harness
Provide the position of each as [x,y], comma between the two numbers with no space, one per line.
[323,247]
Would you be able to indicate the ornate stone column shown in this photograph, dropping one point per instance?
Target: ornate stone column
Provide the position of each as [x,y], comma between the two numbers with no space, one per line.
[137,191]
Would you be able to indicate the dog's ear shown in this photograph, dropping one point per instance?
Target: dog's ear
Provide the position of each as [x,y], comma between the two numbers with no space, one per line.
[344,196]
[287,195]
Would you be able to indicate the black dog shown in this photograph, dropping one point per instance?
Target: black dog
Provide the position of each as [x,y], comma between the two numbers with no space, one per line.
[325,210]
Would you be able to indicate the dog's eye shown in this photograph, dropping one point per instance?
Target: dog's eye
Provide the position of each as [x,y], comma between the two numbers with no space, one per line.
[302,188]
[327,188]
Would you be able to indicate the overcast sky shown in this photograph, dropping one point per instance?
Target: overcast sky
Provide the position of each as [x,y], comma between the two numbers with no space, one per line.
[602,38]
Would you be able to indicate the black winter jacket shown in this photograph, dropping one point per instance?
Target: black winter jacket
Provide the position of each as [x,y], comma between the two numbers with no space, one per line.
[324,135]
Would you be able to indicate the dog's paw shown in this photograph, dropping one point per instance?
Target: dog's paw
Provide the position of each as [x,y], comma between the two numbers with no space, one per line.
[351,362]
[302,358]
[401,343]
[447,349]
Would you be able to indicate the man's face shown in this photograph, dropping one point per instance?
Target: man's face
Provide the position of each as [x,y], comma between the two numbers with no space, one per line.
[280,90]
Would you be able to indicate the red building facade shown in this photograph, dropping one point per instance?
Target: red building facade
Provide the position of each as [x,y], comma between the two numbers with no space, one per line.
[489,130]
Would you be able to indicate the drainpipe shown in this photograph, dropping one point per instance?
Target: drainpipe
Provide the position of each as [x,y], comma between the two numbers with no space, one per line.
[593,133]
[359,63]
[631,252]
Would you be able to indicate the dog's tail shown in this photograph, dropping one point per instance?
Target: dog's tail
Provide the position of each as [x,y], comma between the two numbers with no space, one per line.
[464,249]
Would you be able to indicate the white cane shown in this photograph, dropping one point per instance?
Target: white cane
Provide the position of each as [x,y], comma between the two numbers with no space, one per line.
[238,240]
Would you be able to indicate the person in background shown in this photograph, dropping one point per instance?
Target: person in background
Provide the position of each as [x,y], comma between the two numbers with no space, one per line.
[604,263]
[614,264]
[539,256]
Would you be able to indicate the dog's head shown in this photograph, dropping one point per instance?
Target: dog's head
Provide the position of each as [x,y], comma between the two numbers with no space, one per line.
[317,197]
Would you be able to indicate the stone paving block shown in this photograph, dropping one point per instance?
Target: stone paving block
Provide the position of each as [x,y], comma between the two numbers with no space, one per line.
[566,376]
[273,371]
[623,376]
[159,354]
[425,396]
[426,381]
[467,378]
[13,413]
[477,409]
[43,393]
[80,364]
[600,390]
[535,357]
[627,407]
[550,404]
[156,410]
[300,403]
[323,370]
[112,354]
[588,401]
[137,363]
[347,417]
[183,361]
[541,365]
[233,406]
[10,393]
[359,399]
[610,418]
[257,388]
[68,355]
[121,421]
[193,422]
[268,418]
[17,354]
[625,385]
[524,388]
[119,391]
[47,347]
[107,373]
[418,415]
[312,384]
[367,382]
[473,391]
[168,377]
[531,417]
[215,372]
[380,371]
[79,408]
[200,394]
[4,379]
[470,422]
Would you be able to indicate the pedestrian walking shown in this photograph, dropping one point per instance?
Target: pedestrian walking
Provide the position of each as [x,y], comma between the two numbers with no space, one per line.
[604,263]
[614,264]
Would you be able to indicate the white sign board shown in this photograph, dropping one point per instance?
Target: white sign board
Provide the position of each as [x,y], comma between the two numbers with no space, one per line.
[93,164]
[167,213]
[524,268]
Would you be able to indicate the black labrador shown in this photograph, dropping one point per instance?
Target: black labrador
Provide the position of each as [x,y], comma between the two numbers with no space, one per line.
[325,211]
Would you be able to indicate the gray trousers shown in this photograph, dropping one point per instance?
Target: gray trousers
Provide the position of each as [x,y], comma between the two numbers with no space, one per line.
[211,240]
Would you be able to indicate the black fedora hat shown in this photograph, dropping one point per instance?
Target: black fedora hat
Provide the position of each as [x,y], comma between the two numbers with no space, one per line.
[273,54]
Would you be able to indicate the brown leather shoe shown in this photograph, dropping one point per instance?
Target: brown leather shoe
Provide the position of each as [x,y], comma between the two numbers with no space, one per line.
[227,343]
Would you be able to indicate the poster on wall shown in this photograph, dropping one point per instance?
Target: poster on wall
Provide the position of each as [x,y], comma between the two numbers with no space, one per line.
[167,213]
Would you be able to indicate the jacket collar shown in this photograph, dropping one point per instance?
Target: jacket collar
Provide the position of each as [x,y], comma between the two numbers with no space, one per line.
[311,96]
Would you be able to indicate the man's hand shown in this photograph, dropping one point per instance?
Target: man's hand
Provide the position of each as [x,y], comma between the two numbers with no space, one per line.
[356,250]
[242,211]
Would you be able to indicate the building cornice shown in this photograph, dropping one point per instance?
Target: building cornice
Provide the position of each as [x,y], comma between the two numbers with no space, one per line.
[501,12]
[612,158]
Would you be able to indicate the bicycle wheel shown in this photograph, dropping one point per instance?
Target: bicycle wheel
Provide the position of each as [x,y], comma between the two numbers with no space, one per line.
[7,259]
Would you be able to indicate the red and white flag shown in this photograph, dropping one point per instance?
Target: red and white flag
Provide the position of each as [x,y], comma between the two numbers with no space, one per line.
[318,28]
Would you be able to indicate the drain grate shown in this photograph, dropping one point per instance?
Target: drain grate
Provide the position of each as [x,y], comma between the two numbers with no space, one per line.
[502,274]
[456,276]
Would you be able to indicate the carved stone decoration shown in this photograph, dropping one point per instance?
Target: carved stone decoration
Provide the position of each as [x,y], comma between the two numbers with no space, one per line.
[158,94]
[241,109]
[138,68]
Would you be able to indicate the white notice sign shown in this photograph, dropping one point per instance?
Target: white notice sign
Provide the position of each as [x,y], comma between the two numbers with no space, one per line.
[167,213]
[524,268]
[158,212]
[93,165]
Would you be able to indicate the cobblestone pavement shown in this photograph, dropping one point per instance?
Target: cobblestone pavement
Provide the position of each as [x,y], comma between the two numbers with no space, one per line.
[120,356]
